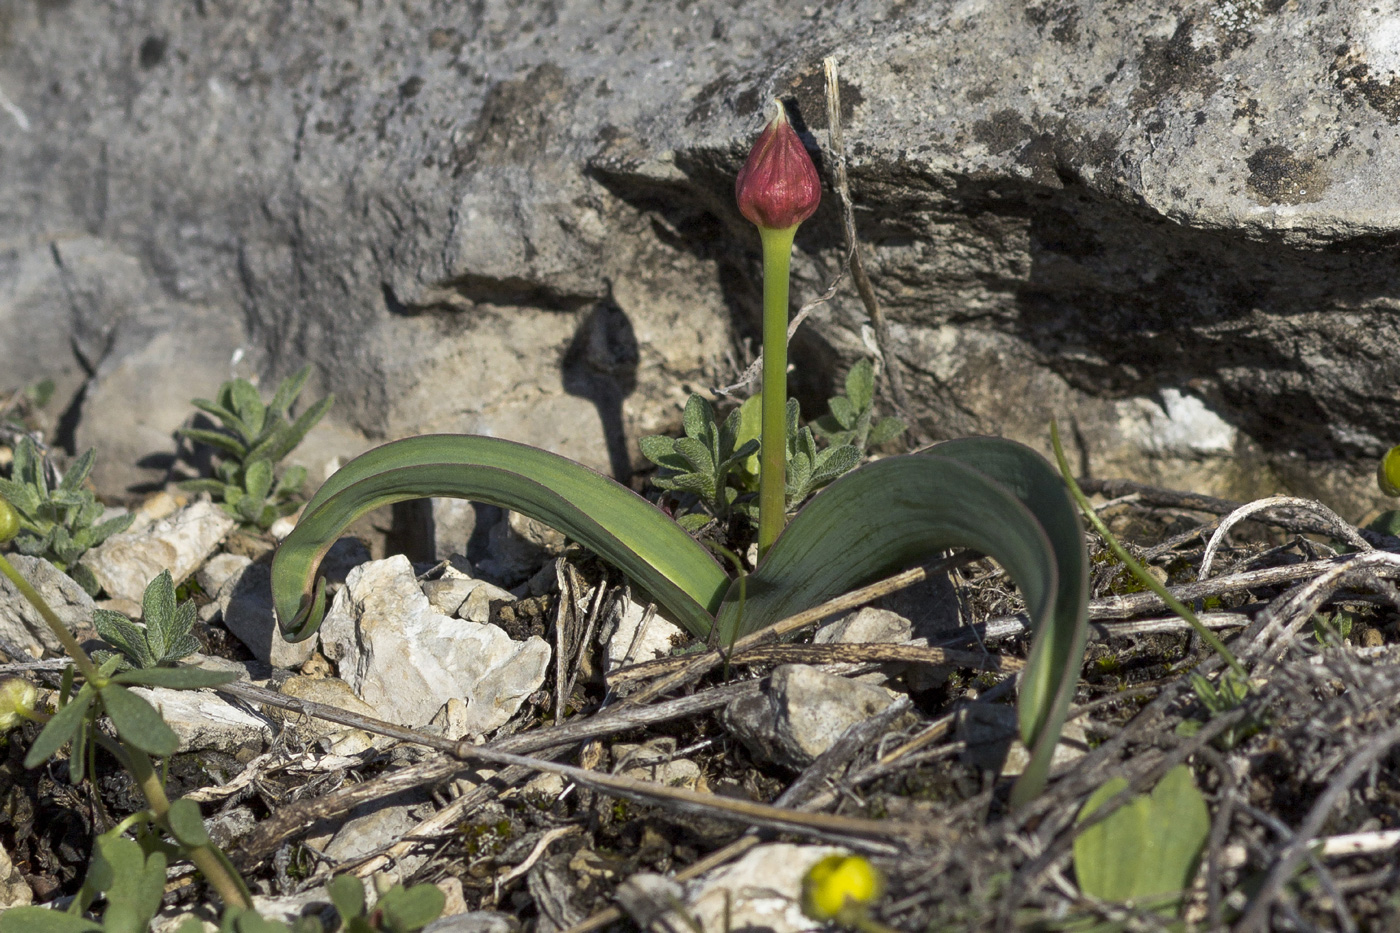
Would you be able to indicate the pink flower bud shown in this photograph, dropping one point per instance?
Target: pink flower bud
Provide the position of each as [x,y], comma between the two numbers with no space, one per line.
[778,187]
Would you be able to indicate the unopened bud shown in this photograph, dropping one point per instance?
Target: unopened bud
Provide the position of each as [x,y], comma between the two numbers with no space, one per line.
[1388,475]
[9,521]
[840,888]
[17,699]
[778,187]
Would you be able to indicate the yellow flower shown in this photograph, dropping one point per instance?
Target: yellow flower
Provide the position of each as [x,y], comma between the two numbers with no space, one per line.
[1388,475]
[9,521]
[839,888]
[17,699]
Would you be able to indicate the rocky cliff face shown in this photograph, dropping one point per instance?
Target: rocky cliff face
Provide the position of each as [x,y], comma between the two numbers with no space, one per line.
[1169,225]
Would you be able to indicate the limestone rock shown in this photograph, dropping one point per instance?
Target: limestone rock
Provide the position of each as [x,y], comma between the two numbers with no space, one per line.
[125,563]
[632,642]
[245,601]
[329,691]
[761,891]
[20,622]
[206,720]
[406,659]
[14,890]
[801,712]
[1067,209]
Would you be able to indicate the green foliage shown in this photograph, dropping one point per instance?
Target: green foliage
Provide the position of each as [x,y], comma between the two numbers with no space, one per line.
[715,465]
[852,416]
[253,440]
[59,523]
[1144,853]
[167,634]
[1222,696]
[698,466]
[988,494]
[1333,628]
[131,877]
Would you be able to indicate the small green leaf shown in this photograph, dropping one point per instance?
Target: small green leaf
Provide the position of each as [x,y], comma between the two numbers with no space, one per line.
[348,895]
[844,412]
[288,391]
[699,418]
[884,431]
[257,479]
[860,385]
[78,472]
[216,439]
[137,721]
[661,450]
[406,910]
[61,728]
[186,823]
[697,455]
[1148,847]
[121,633]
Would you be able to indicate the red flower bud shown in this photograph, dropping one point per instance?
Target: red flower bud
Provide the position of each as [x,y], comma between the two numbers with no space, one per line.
[778,187]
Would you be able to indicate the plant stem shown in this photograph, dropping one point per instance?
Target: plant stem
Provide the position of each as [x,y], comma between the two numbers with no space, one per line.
[230,888]
[1138,572]
[772,493]
[65,637]
[228,885]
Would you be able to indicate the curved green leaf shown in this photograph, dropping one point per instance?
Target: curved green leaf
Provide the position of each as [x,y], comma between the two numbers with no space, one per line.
[43,920]
[1057,654]
[615,522]
[176,678]
[60,728]
[988,494]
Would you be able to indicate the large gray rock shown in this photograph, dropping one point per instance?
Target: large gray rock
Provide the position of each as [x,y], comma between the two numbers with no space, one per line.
[1164,224]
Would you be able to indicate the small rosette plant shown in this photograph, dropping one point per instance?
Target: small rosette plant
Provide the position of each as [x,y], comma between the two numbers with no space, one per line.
[986,494]
[253,440]
[62,522]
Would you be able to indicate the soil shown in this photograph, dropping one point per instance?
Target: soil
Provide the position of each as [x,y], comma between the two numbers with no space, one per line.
[1308,755]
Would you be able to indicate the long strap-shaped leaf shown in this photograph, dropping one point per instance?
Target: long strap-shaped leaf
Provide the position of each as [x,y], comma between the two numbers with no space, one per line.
[989,494]
[622,527]
[1057,654]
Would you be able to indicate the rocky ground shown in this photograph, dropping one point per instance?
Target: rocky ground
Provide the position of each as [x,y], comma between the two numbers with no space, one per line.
[614,773]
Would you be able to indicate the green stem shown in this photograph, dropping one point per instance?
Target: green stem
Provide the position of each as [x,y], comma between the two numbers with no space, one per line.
[65,637]
[772,492]
[229,887]
[1136,569]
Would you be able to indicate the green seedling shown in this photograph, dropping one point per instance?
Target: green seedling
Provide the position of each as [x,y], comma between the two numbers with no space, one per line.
[698,467]
[253,440]
[59,523]
[1223,695]
[1144,853]
[990,495]
[851,419]
[166,634]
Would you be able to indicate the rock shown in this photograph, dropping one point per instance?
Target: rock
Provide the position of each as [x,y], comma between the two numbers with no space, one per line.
[218,570]
[227,827]
[800,713]
[245,602]
[14,890]
[990,731]
[761,891]
[475,921]
[205,720]
[376,825]
[330,691]
[655,761]
[125,563]
[517,547]
[20,622]
[456,593]
[866,626]
[631,642]
[1094,208]
[406,659]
